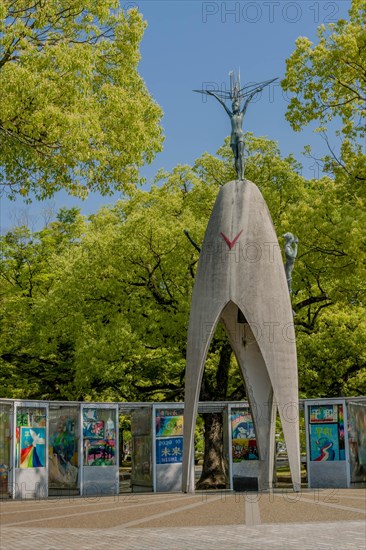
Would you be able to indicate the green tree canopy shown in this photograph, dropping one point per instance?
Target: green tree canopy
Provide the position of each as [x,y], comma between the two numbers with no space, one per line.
[74,112]
[101,306]
[327,84]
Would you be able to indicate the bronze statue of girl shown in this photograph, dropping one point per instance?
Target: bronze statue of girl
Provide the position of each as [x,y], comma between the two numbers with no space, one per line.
[236,95]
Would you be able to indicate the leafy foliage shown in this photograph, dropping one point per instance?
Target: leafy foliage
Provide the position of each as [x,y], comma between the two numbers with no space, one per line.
[74,112]
[98,308]
[327,83]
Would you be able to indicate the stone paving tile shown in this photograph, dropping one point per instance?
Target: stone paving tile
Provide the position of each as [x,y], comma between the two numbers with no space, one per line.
[290,509]
[179,522]
[354,502]
[306,536]
[106,515]
[213,511]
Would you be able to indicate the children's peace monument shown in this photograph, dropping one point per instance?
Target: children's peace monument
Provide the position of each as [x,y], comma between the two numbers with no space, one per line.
[241,282]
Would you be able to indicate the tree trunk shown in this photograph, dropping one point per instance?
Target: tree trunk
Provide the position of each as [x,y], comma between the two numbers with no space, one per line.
[214,471]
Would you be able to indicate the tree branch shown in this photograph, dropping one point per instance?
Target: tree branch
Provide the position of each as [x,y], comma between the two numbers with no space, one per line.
[192,241]
[310,301]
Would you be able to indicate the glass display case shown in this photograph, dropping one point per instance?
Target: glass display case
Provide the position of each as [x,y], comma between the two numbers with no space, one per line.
[99,428]
[30,448]
[6,412]
[243,439]
[327,444]
[30,437]
[245,466]
[141,463]
[326,432]
[168,442]
[357,440]
[63,446]
[99,437]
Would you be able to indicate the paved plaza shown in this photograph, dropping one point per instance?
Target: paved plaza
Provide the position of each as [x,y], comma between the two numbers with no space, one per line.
[320,519]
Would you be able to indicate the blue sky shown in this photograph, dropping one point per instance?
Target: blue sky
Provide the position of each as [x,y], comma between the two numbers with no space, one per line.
[191,43]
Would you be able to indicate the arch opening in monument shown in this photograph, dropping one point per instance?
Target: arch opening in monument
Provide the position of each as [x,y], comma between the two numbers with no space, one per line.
[244,338]
[258,389]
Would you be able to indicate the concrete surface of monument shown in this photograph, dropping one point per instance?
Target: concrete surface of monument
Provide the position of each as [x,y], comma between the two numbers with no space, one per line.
[241,281]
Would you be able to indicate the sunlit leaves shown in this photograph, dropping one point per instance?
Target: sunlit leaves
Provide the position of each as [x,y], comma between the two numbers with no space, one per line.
[74,112]
[102,305]
[327,83]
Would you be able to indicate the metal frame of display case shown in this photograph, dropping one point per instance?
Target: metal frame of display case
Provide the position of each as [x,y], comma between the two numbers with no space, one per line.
[332,473]
[99,480]
[28,482]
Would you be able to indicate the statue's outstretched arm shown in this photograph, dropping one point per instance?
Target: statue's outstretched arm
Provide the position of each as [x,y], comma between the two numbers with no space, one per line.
[220,101]
[250,97]
[255,91]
